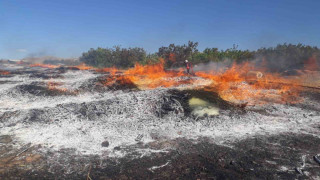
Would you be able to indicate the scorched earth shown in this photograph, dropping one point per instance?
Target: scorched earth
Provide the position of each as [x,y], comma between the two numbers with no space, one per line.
[76,123]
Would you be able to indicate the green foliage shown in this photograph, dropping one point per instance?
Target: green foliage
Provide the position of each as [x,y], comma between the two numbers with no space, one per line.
[279,58]
[213,54]
[151,59]
[287,56]
[176,54]
[116,56]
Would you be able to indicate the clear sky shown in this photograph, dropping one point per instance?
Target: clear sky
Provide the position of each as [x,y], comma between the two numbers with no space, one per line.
[66,28]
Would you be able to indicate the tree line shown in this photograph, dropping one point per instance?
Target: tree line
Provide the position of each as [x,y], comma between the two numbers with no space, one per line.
[279,58]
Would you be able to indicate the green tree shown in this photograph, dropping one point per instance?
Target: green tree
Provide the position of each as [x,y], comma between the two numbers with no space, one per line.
[116,56]
[176,54]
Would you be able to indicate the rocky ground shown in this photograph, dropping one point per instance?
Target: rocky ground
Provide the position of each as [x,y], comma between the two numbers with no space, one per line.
[65,124]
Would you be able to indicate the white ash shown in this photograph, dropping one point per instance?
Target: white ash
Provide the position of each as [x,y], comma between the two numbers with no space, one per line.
[84,121]
[11,99]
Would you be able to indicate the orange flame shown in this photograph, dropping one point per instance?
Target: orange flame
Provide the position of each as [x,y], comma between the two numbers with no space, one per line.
[311,64]
[153,76]
[310,74]
[55,86]
[111,70]
[234,85]
[50,66]
[172,57]
[83,66]
[4,72]
[241,83]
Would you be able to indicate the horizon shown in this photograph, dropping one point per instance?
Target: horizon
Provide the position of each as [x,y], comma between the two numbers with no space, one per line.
[46,57]
[66,29]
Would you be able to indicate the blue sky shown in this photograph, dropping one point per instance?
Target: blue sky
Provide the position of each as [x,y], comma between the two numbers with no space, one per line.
[66,28]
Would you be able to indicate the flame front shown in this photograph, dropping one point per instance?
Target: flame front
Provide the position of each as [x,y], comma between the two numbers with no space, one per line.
[45,65]
[83,66]
[241,83]
[4,72]
[153,76]
[236,84]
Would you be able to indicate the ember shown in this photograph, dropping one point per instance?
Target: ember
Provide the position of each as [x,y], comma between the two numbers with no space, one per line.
[54,86]
[83,66]
[4,72]
[44,65]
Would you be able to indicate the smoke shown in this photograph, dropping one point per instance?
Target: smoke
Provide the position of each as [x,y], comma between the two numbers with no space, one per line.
[40,59]
[213,67]
[37,57]
[288,60]
[44,58]
[283,64]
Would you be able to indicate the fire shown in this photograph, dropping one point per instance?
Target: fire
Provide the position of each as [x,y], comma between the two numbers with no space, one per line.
[310,74]
[243,84]
[153,76]
[83,66]
[50,66]
[146,76]
[311,64]
[172,57]
[54,86]
[4,72]
[111,70]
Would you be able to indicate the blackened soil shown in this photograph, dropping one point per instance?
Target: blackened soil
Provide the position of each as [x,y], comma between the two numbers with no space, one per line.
[108,83]
[273,157]
[42,90]
[46,75]
[314,95]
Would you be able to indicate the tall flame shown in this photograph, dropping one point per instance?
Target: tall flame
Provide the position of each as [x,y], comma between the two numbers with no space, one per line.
[234,85]
[153,76]
[241,83]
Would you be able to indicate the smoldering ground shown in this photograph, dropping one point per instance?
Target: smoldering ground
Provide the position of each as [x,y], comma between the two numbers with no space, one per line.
[147,133]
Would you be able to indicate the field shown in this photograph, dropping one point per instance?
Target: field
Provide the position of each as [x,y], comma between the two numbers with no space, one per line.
[61,122]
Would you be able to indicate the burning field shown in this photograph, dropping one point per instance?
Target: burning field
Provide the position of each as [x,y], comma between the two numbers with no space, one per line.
[78,122]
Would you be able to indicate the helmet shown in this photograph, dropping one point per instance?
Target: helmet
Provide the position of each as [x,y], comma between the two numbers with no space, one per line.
[186,60]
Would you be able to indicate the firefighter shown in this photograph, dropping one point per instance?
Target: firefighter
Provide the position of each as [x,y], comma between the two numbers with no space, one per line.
[188,66]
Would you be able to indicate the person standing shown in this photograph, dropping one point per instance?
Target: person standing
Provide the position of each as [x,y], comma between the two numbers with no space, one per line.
[188,66]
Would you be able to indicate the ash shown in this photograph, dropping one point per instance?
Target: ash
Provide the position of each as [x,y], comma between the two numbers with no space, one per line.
[67,129]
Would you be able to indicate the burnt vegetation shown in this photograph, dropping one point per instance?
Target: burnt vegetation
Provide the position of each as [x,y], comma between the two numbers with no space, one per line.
[156,130]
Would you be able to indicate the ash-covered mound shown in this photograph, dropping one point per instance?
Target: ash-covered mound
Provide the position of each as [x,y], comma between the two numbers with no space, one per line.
[108,83]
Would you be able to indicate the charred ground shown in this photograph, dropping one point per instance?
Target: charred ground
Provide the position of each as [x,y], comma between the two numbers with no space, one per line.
[49,133]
